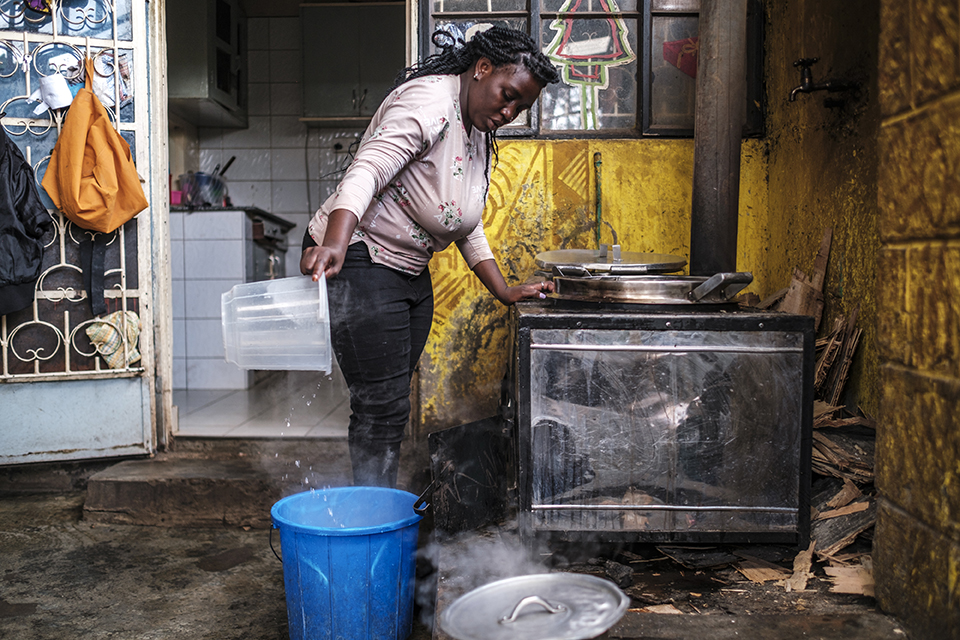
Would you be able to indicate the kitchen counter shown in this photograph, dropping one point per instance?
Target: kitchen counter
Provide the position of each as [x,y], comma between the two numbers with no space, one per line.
[252,212]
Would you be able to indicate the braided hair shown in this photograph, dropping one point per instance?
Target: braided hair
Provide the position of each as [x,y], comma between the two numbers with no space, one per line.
[499,44]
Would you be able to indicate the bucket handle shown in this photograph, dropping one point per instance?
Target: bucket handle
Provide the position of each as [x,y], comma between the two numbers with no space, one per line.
[271,545]
[421,505]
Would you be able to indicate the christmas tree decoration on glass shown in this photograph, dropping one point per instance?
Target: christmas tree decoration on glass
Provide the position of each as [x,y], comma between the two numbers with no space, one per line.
[586,49]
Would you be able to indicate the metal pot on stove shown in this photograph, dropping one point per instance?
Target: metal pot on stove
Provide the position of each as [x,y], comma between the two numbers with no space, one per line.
[610,275]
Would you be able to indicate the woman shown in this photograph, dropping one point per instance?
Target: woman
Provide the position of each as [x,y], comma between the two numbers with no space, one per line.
[419,182]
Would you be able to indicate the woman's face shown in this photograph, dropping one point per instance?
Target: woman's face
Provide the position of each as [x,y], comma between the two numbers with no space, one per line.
[498,94]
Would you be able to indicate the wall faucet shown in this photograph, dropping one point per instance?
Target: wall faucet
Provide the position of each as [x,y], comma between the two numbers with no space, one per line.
[807,85]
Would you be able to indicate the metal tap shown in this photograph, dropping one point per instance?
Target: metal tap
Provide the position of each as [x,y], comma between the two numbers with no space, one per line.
[807,85]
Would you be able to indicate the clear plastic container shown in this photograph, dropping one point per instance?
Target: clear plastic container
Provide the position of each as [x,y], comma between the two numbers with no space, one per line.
[277,324]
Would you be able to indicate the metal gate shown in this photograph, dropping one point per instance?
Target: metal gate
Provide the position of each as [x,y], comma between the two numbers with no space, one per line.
[73,385]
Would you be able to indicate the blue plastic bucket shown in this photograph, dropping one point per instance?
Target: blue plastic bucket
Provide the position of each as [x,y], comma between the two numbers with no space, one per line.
[349,560]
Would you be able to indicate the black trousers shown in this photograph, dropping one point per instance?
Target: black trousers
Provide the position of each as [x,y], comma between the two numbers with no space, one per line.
[380,321]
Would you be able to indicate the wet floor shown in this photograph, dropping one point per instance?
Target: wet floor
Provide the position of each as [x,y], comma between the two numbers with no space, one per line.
[63,577]
[66,578]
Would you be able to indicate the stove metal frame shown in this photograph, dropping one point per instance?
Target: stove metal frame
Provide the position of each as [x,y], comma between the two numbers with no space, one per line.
[529,318]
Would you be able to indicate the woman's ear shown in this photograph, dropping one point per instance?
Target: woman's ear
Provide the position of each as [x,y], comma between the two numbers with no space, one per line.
[482,68]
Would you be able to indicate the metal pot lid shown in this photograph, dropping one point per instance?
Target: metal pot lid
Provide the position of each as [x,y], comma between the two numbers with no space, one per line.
[549,606]
[595,261]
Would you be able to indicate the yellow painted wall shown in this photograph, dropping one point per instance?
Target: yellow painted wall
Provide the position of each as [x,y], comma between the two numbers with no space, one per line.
[543,197]
[917,543]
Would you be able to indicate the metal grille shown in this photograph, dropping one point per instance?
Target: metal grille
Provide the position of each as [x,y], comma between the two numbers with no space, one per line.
[50,339]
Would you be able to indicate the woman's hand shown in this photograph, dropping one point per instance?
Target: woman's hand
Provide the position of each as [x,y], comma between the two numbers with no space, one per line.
[321,260]
[492,279]
[537,290]
[328,257]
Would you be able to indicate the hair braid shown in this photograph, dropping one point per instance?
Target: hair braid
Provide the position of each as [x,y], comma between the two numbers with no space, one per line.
[499,44]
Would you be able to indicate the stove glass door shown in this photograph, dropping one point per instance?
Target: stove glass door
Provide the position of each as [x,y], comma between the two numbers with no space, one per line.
[665,431]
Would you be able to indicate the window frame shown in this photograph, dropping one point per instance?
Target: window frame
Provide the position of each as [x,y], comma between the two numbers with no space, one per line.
[535,17]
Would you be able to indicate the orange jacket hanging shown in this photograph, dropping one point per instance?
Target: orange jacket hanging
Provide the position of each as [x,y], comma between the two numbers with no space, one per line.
[91,176]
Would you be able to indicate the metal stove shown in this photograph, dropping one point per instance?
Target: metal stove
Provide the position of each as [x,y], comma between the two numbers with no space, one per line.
[674,421]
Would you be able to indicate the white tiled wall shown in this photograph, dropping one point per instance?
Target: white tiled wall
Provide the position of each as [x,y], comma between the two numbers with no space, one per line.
[281,165]
[208,251]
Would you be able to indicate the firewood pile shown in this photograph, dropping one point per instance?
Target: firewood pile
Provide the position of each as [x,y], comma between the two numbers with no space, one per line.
[843,499]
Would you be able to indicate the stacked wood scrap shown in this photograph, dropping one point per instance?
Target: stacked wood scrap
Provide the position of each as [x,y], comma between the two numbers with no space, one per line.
[805,294]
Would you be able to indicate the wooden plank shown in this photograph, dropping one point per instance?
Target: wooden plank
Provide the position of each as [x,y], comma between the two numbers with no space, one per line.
[771,300]
[758,571]
[833,534]
[845,496]
[801,570]
[843,511]
[856,579]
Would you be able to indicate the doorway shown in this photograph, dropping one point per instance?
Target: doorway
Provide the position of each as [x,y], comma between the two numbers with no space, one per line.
[276,166]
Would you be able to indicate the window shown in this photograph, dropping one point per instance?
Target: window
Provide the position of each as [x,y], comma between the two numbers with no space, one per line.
[628,67]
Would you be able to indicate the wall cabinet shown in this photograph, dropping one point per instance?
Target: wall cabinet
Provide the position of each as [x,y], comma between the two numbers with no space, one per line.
[351,56]
[207,62]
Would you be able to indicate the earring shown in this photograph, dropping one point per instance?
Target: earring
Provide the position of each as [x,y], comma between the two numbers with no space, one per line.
[476,76]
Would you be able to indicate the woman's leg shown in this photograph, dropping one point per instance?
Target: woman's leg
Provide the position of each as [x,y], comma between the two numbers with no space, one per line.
[377,325]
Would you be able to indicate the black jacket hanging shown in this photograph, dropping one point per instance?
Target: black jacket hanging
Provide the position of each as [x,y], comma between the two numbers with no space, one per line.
[23,221]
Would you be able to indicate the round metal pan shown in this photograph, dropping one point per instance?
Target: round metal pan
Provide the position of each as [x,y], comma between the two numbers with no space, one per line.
[581,262]
[653,289]
[548,606]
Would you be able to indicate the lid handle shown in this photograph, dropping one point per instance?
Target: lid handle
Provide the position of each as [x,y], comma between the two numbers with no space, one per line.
[529,600]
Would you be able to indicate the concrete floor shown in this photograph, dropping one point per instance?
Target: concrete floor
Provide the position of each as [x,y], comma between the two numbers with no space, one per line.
[64,577]
[67,578]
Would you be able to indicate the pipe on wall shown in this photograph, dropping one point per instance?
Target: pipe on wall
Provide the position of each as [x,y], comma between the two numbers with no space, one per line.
[718,126]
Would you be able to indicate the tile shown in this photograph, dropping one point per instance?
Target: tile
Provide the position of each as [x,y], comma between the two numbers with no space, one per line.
[284,33]
[203,297]
[180,342]
[285,66]
[251,194]
[210,158]
[258,99]
[176,259]
[210,138]
[250,164]
[290,197]
[255,136]
[205,338]
[193,400]
[214,225]
[256,429]
[285,99]
[328,431]
[258,34]
[287,132]
[179,373]
[187,429]
[213,259]
[178,298]
[176,225]
[289,164]
[258,66]
[213,373]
